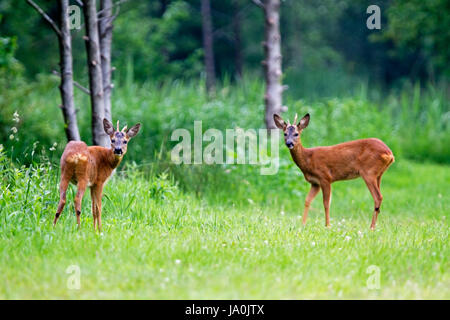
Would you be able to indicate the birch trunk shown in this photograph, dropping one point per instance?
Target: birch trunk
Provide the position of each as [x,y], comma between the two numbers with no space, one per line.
[272,63]
[105,26]
[99,136]
[66,86]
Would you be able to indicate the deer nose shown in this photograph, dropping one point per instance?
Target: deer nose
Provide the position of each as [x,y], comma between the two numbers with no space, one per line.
[290,144]
[118,151]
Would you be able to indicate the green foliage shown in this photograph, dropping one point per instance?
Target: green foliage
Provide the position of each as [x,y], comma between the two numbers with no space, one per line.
[160,48]
[421,26]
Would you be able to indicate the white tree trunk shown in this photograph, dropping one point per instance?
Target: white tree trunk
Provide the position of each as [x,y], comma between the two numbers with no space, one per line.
[99,136]
[66,86]
[272,63]
[105,26]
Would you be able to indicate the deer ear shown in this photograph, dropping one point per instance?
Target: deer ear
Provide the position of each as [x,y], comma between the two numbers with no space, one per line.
[109,129]
[279,122]
[303,122]
[133,130]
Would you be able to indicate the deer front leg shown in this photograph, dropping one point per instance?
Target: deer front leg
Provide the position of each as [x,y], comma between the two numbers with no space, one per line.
[309,198]
[98,191]
[326,191]
[81,188]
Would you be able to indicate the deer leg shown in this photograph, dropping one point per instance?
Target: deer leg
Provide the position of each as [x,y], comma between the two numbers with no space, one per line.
[94,206]
[373,186]
[62,198]
[326,191]
[81,188]
[309,198]
[98,204]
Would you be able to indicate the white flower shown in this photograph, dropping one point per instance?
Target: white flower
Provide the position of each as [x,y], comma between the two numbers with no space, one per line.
[178,261]
[14,129]
[16,117]
[313,243]
[347,238]
[11,137]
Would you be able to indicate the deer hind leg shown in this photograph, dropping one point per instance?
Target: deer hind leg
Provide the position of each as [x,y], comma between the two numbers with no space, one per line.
[309,198]
[326,191]
[373,184]
[81,188]
[62,198]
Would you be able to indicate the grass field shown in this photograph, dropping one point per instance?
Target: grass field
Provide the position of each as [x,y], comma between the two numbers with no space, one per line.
[160,242]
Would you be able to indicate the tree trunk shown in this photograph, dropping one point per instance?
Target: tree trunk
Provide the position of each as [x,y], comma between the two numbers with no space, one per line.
[208,46]
[272,63]
[105,26]
[237,27]
[66,86]
[99,136]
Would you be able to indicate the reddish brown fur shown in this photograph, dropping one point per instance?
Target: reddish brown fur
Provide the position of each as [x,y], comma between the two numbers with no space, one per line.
[89,167]
[321,166]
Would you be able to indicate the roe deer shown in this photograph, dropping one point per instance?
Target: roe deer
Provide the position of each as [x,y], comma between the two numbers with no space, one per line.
[321,166]
[91,167]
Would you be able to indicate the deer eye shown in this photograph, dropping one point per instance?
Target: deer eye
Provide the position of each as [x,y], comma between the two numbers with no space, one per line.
[113,140]
[285,134]
[125,142]
[296,135]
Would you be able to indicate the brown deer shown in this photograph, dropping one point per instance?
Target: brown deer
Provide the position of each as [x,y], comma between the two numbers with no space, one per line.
[321,166]
[91,167]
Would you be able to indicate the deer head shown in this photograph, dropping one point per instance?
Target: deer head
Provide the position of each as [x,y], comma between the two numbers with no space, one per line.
[119,138]
[293,131]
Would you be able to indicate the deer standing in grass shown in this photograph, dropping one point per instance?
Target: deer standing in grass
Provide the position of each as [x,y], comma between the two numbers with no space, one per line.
[91,167]
[321,166]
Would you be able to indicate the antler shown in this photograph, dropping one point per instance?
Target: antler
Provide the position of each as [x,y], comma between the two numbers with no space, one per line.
[125,129]
[295,119]
[117,125]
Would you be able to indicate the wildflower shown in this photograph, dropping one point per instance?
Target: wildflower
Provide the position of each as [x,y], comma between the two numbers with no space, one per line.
[53,147]
[178,261]
[11,137]
[347,238]
[16,117]
[14,129]
[313,243]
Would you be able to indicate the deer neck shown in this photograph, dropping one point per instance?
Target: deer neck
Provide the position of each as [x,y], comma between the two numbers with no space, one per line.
[112,159]
[300,155]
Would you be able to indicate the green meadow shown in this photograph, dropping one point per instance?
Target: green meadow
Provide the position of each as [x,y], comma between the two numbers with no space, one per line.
[225,231]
